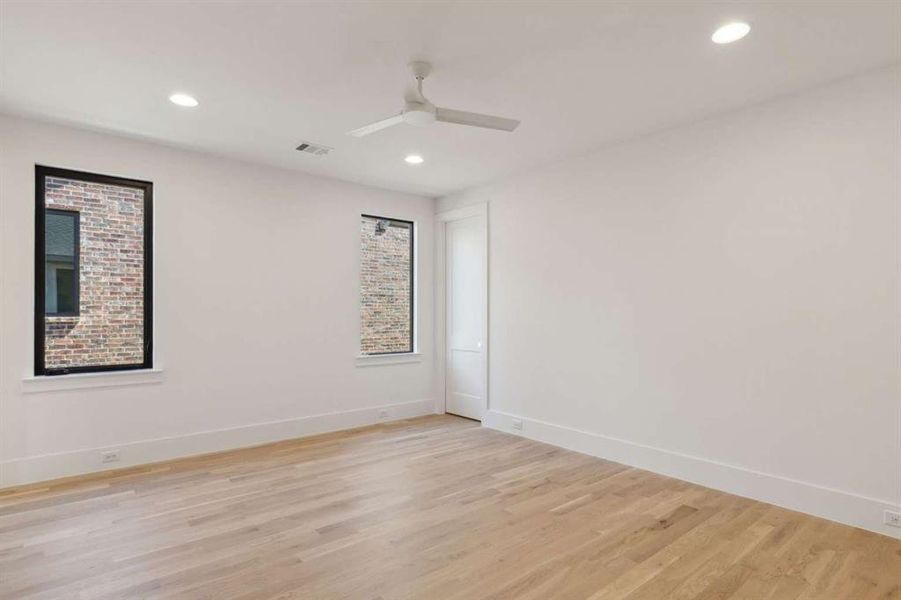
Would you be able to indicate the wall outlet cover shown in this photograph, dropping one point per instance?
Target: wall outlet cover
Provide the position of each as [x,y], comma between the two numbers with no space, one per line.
[109,456]
[517,424]
[893,518]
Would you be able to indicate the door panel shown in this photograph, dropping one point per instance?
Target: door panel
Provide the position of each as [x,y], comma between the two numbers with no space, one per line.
[465,393]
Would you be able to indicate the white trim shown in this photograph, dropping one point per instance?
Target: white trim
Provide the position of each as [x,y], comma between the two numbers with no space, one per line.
[439,283]
[835,505]
[79,381]
[455,214]
[401,358]
[46,467]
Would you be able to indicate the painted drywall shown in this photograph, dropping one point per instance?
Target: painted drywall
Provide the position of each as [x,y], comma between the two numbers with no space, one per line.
[256,309]
[725,293]
[576,72]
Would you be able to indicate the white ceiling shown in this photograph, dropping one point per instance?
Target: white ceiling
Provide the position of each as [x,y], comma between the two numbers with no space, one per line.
[271,74]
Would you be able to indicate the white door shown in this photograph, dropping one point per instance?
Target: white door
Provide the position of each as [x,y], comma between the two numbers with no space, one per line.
[466,355]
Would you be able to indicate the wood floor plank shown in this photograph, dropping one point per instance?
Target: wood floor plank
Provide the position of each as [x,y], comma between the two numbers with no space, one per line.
[434,508]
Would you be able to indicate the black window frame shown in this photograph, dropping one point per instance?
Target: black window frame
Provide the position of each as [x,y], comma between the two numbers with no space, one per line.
[76,261]
[42,172]
[412,225]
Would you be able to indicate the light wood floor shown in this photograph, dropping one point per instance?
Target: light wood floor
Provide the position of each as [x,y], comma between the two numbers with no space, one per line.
[430,508]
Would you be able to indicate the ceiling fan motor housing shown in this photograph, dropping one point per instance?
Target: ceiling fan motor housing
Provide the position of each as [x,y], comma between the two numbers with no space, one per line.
[419,113]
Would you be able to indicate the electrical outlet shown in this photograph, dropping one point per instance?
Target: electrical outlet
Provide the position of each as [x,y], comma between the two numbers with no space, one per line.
[517,424]
[109,456]
[893,518]
[383,414]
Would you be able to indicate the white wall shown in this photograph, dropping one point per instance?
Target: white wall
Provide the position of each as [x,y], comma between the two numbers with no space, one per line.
[256,309]
[719,301]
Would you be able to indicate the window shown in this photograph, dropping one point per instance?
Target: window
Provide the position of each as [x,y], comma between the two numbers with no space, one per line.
[93,272]
[61,233]
[386,285]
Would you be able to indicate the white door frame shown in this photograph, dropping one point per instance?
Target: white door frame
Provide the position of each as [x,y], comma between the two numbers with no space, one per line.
[441,221]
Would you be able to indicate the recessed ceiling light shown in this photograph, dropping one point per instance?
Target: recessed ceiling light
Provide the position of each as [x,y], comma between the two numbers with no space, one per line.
[183,100]
[730,32]
[414,159]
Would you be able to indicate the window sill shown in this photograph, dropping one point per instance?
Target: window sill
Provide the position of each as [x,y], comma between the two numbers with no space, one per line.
[80,381]
[375,360]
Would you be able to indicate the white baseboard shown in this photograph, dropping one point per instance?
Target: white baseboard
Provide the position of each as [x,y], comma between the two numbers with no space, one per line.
[46,467]
[835,505]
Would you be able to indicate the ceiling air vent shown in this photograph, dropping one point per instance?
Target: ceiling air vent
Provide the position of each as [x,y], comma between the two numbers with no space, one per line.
[314,149]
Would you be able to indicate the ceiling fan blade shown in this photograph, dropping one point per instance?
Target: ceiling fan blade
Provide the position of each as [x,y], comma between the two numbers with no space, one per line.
[377,126]
[461,117]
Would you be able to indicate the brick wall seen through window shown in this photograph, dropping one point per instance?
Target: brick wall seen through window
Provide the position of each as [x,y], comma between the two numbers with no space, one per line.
[386,285]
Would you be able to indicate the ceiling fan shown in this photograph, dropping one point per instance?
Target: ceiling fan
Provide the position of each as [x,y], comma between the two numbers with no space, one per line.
[419,111]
